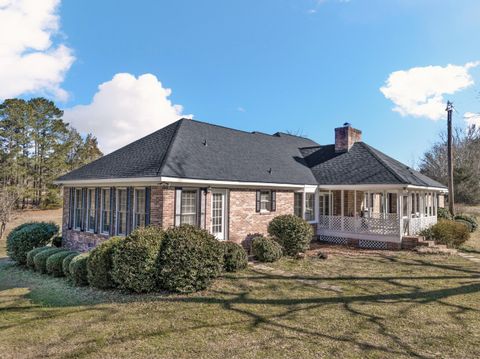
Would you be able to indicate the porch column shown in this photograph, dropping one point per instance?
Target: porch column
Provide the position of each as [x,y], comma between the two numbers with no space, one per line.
[330,208]
[400,212]
[303,202]
[355,210]
[342,208]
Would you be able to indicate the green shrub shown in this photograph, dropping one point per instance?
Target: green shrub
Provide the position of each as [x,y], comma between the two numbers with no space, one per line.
[234,257]
[100,264]
[266,250]
[470,219]
[293,233]
[443,213]
[40,259]
[66,263]
[31,254]
[451,233]
[134,260]
[465,223]
[28,236]
[57,241]
[427,233]
[189,260]
[78,269]
[55,263]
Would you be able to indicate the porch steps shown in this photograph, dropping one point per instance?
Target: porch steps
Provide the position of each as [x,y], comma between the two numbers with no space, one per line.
[410,242]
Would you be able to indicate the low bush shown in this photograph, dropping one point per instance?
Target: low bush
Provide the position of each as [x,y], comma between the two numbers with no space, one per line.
[28,236]
[470,219]
[266,250]
[78,269]
[40,259]
[55,263]
[57,241]
[443,213]
[247,242]
[293,233]
[31,254]
[134,260]
[465,223]
[234,257]
[189,260]
[451,233]
[66,263]
[100,264]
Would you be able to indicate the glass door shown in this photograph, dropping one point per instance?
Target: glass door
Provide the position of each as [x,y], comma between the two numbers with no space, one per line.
[218,214]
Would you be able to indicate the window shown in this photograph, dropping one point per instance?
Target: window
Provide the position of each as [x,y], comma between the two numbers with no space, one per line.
[265,201]
[139,208]
[297,204]
[106,211]
[122,211]
[188,207]
[309,206]
[78,209]
[91,209]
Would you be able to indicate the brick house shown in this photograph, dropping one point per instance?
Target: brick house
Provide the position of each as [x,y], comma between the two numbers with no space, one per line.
[233,183]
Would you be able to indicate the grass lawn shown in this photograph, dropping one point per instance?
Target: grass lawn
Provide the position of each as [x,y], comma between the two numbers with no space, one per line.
[354,304]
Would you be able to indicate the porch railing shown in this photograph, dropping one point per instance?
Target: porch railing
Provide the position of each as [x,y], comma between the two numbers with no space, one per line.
[381,224]
[415,225]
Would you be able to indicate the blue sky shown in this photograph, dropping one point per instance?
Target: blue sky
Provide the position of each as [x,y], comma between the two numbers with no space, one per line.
[291,65]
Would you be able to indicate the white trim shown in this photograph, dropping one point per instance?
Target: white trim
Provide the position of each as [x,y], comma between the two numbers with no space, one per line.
[372,237]
[111,181]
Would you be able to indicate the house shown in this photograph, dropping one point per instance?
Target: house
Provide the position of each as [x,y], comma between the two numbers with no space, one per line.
[233,183]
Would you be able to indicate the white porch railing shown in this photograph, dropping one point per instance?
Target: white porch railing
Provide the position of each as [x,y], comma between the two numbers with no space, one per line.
[381,224]
[415,225]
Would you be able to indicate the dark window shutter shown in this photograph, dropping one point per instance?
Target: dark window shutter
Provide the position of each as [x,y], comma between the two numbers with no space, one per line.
[147,205]
[84,209]
[112,212]
[97,209]
[71,206]
[257,205]
[178,206]
[273,200]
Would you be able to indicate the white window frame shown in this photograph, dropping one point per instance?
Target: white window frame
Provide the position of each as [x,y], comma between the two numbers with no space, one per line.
[102,209]
[89,205]
[268,201]
[75,217]
[196,213]
[117,211]
[135,202]
[295,194]
[313,212]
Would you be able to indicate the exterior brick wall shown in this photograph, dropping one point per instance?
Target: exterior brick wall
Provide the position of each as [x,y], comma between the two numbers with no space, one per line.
[243,219]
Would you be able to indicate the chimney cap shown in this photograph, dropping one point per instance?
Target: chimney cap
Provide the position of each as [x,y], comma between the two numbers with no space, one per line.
[347,124]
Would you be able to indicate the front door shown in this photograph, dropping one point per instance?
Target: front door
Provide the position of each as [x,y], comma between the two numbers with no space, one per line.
[219,200]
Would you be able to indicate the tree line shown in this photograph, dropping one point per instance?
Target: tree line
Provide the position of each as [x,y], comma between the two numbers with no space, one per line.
[37,146]
[466,164]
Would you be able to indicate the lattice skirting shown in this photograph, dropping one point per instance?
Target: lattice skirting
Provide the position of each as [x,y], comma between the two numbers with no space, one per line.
[332,239]
[362,243]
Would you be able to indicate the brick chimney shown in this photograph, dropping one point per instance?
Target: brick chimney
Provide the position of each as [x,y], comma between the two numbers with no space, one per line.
[345,137]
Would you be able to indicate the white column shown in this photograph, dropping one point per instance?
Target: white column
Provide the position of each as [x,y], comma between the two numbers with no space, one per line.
[342,207]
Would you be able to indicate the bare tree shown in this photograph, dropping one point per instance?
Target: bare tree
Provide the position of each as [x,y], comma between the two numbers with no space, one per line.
[8,203]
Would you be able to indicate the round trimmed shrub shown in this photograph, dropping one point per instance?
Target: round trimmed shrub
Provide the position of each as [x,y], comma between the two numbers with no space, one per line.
[134,260]
[293,233]
[55,263]
[451,233]
[443,213]
[31,254]
[234,257]
[266,250]
[28,236]
[189,260]
[78,270]
[100,264]
[66,263]
[470,219]
[40,259]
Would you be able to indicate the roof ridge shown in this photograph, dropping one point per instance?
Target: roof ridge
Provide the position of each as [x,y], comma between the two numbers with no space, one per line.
[169,147]
[382,162]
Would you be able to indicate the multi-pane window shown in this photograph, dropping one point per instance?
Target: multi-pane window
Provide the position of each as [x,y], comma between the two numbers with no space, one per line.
[265,201]
[309,206]
[188,207]
[78,209]
[122,211]
[297,204]
[106,210]
[139,209]
[217,213]
[91,209]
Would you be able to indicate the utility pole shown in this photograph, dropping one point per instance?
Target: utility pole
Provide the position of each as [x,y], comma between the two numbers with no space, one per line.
[451,197]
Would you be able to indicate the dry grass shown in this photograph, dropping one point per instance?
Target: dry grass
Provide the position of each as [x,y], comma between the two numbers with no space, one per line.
[354,304]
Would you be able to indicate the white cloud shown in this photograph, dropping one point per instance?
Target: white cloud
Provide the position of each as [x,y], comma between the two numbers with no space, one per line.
[420,91]
[125,109]
[29,61]
[472,118]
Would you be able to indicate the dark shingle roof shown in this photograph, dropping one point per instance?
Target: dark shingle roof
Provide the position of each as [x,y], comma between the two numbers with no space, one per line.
[198,150]
[362,164]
